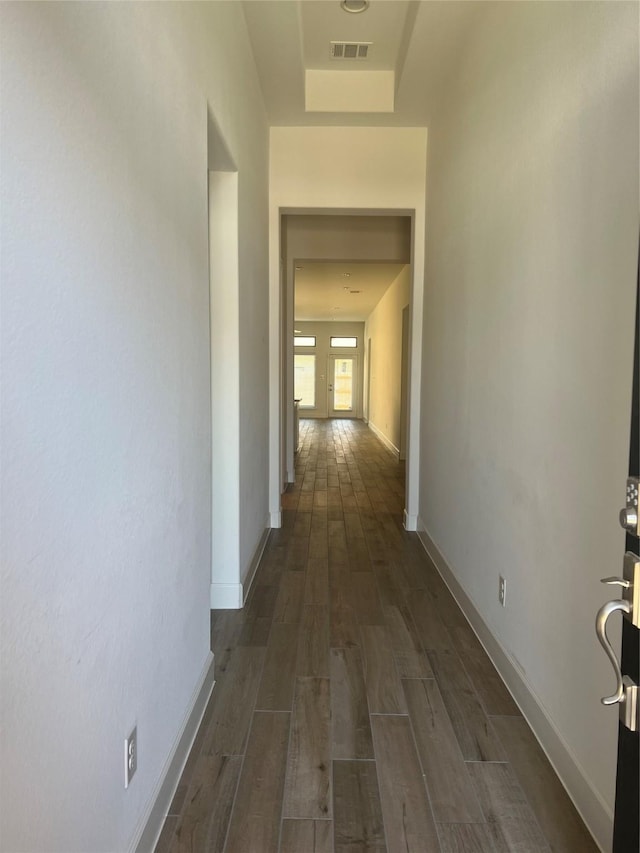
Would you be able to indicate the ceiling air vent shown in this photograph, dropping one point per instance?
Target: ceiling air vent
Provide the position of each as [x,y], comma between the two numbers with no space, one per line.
[349,49]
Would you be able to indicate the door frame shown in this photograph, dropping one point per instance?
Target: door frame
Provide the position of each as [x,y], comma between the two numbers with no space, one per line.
[281,322]
[626,827]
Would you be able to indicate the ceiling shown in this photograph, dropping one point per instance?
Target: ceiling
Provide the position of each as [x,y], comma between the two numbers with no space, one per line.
[323,290]
[417,40]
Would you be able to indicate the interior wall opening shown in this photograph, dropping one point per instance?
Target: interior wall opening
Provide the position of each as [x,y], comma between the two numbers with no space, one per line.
[346,296]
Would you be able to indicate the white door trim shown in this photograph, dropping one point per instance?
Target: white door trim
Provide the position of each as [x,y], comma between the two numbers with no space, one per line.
[277,304]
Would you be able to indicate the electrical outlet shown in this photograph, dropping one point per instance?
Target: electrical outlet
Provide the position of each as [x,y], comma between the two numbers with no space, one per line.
[130,756]
[502,590]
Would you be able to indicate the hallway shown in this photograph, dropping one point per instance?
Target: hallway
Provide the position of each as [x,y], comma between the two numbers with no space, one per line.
[354,709]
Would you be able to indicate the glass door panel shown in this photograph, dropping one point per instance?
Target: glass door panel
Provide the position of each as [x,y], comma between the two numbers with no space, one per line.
[304,383]
[342,385]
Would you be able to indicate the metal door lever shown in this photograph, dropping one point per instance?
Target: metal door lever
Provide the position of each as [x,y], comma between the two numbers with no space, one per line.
[601,631]
[615,580]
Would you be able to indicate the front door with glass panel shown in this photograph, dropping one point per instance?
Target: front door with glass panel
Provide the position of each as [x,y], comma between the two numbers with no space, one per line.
[341,377]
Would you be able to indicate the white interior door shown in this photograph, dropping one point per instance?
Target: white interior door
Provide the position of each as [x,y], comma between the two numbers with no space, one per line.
[342,377]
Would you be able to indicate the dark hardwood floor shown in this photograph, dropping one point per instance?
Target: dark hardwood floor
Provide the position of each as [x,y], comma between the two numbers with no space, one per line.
[354,709]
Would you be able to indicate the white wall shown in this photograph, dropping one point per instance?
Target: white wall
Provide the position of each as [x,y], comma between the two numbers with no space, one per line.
[384,329]
[532,249]
[106,422]
[345,169]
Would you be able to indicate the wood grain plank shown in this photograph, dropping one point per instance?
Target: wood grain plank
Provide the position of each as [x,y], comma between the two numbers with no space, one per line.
[365,598]
[359,557]
[431,629]
[350,727]
[297,555]
[556,814]
[356,808]
[233,698]
[226,627]
[352,523]
[262,602]
[205,817]
[390,588]
[511,822]
[344,632]
[278,676]
[382,682]
[448,670]
[305,502]
[255,823]
[302,524]
[408,821]
[255,631]
[313,642]
[308,778]
[465,838]
[491,689]
[449,786]
[316,590]
[411,659]
[306,836]
[288,607]
[475,732]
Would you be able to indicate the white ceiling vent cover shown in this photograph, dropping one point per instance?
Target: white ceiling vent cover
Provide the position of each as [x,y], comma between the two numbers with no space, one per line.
[349,49]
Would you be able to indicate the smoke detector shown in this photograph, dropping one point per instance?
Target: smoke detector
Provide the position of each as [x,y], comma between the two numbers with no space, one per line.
[349,49]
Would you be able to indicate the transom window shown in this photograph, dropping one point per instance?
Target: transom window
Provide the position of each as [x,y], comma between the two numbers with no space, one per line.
[344,342]
[304,341]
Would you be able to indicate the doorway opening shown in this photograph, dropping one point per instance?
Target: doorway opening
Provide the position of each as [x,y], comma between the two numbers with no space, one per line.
[345,315]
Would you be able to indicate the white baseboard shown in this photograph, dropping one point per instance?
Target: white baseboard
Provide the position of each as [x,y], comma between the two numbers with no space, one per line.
[275,519]
[383,438]
[226,596]
[146,837]
[232,596]
[255,562]
[594,811]
[410,521]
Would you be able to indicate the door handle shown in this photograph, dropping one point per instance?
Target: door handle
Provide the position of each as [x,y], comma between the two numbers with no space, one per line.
[627,694]
[601,632]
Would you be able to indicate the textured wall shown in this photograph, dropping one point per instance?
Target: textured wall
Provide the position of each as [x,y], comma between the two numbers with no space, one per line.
[384,328]
[532,250]
[105,357]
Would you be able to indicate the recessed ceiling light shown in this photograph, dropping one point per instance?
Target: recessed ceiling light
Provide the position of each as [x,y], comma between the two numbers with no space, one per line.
[346,275]
[354,7]
[298,268]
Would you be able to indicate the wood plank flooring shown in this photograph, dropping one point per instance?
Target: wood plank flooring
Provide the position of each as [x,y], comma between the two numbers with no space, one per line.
[354,709]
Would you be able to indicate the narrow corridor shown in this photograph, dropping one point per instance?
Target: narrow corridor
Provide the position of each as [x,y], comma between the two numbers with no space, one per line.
[354,709]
